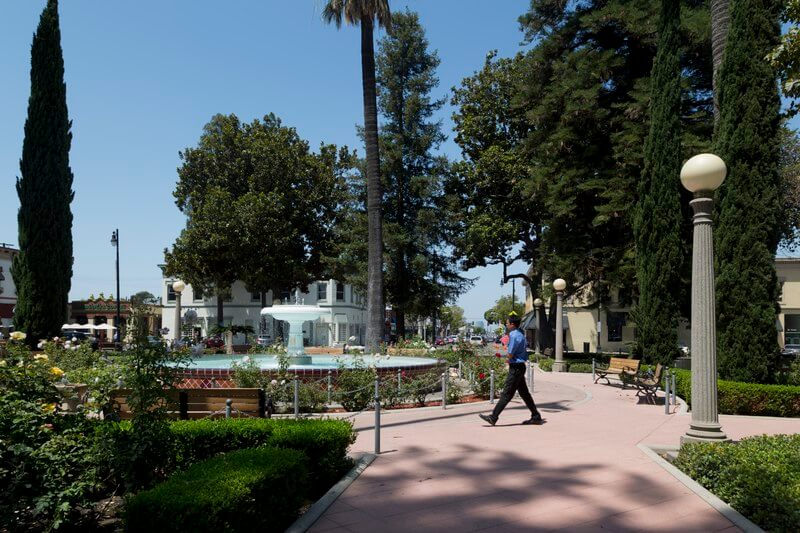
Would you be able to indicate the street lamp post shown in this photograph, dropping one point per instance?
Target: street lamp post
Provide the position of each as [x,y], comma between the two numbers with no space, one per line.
[178,287]
[115,244]
[702,175]
[558,365]
[537,304]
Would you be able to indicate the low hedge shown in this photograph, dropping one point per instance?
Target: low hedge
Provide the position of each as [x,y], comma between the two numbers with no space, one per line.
[546,365]
[247,490]
[581,368]
[578,366]
[736,398]
[758,476]
[325,442]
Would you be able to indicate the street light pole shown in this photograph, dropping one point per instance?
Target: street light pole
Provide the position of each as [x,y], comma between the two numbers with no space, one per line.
[702,175]
[178,287]
[558,365]
[115,244]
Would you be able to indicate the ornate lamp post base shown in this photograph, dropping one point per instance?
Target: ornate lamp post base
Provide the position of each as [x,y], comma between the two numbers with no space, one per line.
[699,432]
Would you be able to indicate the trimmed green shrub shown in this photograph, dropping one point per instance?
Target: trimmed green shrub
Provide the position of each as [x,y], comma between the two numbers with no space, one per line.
[737,398]
[246,490]
[546,364]
[325,442]
[759,477]
[581,368]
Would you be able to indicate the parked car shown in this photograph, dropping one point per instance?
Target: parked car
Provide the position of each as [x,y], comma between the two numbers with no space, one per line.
[264,340]
[477,340]
[791,350]
[214,342]
[451,339]
[439,341]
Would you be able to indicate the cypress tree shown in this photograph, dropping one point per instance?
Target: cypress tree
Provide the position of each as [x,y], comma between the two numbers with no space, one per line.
[747,233]
[42,270]
[657,225]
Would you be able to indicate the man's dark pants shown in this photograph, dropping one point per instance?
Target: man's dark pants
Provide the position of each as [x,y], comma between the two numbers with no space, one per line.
[515,382]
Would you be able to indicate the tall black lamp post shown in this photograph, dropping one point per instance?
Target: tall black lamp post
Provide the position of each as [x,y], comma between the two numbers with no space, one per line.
[115,244]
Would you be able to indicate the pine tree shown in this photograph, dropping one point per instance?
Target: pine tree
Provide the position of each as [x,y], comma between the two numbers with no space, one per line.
[747,234]
[42,270]
[657,225]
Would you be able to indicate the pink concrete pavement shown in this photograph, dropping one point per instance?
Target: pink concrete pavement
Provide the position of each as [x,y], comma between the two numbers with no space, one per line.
[581,470]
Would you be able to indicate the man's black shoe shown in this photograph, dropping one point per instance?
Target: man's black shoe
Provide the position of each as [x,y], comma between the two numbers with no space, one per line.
[533,421]
[489,419]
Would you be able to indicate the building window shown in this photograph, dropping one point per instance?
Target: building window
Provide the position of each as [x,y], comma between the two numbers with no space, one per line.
[170,293]
[340,292]
[322,292]
[255,296]
[341,330]
[197,294]
[615,322]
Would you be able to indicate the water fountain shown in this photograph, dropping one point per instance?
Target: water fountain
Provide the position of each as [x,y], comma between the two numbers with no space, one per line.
[295,315]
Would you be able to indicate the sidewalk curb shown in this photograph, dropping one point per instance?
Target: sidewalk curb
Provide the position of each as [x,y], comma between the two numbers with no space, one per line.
[314,512]
[652,451]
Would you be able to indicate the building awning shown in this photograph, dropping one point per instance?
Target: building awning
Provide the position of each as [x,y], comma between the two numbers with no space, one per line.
[529,321]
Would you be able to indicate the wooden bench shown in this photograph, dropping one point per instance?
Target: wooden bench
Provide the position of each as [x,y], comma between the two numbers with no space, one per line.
[186,404]
[621,368]
[649,385]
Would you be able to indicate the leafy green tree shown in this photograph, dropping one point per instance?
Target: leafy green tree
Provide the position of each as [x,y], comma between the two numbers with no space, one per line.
[502,309]
[42,270]
[365,13]
[786,56]
[748,229]
[552,140]
[451,317]
[248,191]
[657,226]
[142,297]
[789,192]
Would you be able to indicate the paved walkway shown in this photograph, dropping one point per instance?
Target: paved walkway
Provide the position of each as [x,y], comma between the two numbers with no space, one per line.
[580,471]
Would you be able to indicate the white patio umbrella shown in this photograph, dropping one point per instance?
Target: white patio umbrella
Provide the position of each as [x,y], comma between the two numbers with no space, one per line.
[104,327]
[76,326]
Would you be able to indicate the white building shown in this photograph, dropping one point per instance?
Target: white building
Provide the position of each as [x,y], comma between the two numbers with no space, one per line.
[347,316]
[8,292]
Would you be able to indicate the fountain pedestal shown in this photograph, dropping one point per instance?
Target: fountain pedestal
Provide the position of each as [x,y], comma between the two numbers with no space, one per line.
[295,315]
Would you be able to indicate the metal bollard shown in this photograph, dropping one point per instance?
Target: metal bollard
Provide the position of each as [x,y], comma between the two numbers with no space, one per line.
[594,367]
[459,369]
[530,377]
[666,394]
[674,391]
[444,390]
[330,387]
[377,415]
[296,398]
[228,403]
[399,380]
[491,386]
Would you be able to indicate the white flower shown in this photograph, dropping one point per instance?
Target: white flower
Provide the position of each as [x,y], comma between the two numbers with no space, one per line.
[55,338]
[273,382]
[74,339]
[245,359]
[40,345]
[283,382]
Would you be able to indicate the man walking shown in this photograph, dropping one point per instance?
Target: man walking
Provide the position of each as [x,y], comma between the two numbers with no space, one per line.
[515,382]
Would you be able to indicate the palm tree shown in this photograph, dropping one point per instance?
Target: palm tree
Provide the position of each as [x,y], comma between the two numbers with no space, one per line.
[719,34]
[365,13]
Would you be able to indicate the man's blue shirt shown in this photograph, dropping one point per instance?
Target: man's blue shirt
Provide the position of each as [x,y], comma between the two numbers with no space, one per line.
[517,347]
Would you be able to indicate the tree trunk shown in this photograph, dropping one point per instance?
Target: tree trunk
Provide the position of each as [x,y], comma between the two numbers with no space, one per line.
[719,34]
[375,307]
[220,319]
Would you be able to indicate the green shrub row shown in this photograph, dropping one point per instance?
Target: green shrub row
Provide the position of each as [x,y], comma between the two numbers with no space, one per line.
[736,398]
[577,366]
[324,442]
[248,490]
[758,476]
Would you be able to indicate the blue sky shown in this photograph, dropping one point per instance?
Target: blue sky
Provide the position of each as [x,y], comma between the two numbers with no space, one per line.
[144,77]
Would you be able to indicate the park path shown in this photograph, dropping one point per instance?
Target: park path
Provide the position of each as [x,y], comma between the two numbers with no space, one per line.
[580,471]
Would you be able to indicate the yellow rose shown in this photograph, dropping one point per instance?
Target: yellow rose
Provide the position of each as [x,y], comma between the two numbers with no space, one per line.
[40,357]
[57,372]
[18,336]
[49,407]
[3,363]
